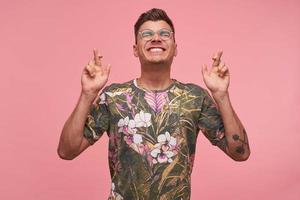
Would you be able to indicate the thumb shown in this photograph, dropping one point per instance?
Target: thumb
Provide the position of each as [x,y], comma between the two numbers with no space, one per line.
[204,70]
[107,69]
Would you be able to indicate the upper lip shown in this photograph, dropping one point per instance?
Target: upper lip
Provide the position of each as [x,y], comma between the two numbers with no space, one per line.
[152,47]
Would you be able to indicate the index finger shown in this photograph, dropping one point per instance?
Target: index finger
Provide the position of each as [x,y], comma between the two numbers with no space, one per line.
[217,58]
[97,57]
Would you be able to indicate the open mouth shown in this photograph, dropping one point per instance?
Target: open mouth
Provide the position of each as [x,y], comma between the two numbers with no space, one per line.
[156,49]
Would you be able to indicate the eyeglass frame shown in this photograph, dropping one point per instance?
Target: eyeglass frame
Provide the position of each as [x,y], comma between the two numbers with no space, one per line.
[158,33]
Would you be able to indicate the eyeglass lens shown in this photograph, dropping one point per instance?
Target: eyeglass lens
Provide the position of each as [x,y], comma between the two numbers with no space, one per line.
[149,34]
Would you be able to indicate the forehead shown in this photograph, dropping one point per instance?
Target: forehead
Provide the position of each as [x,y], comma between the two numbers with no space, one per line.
[155,25]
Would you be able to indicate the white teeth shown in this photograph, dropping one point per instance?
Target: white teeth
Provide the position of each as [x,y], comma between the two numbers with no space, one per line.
[156,50]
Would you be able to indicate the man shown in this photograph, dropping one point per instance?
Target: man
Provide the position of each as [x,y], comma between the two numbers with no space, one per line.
[153,121]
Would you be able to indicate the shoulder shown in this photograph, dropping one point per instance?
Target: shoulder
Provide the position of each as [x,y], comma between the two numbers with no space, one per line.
[114,89]
[192,88]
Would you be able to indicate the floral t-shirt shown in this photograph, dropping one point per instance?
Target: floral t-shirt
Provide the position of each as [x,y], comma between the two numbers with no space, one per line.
[152,137]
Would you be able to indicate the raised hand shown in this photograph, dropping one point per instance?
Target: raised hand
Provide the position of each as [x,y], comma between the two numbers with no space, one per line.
[94,75]
[217,78]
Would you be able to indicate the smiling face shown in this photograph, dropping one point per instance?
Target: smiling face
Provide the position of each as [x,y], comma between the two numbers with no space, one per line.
[157,50]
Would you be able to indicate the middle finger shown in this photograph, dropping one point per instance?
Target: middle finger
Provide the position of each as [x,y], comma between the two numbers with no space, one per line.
[217,59]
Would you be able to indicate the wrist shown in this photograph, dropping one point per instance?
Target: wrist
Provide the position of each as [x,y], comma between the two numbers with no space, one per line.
[220,97]
[88,96]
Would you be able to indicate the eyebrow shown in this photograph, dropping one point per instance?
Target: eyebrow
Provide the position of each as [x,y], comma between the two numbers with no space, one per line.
[155,31]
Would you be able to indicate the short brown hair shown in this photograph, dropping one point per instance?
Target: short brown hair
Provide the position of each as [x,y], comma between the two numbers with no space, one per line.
[155,14]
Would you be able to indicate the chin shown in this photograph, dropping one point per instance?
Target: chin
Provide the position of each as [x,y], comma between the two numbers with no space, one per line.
[157,62]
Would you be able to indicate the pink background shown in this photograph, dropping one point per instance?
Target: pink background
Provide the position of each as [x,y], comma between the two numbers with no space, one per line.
[45,45]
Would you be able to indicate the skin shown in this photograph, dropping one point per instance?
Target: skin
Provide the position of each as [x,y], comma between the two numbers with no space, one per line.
[155,75]
[155,67]
[95,75]
[217,81]
[93,79]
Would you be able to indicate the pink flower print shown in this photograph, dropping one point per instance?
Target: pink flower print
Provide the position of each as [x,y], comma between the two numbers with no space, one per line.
[126,126]
[133,138]
[164,150]
[166,141]
[160,156]
[156,100]
[128,98]
[142,119]
[102,99]
[128,139]
[220,135]
[120,107]
[114,195]
[141,149]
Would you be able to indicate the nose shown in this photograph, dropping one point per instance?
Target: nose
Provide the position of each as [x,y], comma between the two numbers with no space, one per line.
[156,38]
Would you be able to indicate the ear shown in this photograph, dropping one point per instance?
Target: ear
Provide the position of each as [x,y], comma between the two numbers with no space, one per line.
[135,51]
[175,53]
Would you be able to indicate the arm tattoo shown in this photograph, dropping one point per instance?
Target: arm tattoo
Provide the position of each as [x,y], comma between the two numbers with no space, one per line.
[240,149]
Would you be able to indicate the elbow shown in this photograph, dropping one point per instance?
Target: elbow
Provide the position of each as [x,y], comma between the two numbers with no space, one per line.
[241,158]
[64,155]
[239,153]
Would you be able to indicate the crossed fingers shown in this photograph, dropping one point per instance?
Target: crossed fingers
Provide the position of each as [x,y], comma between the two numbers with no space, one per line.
[221,68]
[217,59]
[97,57]
[94,63]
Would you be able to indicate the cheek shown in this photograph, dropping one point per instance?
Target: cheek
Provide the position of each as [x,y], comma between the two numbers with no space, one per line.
[172,50]
[175,49]
[138,49]
[141,49]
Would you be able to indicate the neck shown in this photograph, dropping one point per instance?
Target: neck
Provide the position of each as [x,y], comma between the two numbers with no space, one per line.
[155,77]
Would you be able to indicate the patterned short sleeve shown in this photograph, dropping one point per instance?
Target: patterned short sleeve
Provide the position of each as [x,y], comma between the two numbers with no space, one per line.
[97,121]
[210,121]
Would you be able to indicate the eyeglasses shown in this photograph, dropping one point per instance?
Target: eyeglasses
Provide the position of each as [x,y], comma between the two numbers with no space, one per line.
[148,34]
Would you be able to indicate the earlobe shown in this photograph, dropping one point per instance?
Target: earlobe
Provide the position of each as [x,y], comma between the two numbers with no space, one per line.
[135,50]
[175,54]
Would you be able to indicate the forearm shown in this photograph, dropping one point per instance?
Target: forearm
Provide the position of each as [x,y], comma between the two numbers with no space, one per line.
[72,133]
[236,136]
